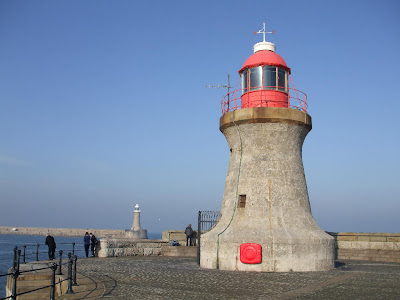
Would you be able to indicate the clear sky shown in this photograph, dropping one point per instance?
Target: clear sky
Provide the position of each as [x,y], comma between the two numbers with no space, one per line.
[103,104]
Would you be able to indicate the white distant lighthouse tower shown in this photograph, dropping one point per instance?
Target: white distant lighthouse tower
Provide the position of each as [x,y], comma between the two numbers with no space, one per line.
[136,231]
[266,223]
[136,218]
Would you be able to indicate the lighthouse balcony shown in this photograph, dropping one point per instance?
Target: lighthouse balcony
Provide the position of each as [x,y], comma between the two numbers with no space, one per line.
[264,96]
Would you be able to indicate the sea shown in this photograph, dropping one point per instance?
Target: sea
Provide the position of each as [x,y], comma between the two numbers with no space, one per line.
[9,241]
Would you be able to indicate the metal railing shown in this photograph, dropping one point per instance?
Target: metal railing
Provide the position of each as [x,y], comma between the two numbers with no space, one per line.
[206,221]
[34,254]
[233,100]
[16,272]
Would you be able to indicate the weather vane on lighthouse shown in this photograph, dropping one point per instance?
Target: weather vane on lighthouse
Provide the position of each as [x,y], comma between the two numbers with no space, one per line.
[264,32]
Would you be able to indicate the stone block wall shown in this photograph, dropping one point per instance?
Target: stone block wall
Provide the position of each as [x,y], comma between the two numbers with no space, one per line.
[178,235]
[79,232]
[128,247]
[382,247]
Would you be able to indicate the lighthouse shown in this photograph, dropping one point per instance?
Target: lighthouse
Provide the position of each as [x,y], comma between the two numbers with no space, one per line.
[136,231]
[266,223]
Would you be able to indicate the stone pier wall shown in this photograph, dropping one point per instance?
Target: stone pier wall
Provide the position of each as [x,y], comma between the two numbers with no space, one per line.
[383,247]
[178,235]
[62,231]
[129,247]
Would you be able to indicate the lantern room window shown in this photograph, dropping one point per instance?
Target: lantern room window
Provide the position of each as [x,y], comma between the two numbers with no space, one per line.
[282,86]
[255,78]
[266,78]
[244,81]
[269,77]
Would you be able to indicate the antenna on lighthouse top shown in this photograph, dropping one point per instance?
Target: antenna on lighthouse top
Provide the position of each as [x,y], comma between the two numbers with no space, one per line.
[264,45]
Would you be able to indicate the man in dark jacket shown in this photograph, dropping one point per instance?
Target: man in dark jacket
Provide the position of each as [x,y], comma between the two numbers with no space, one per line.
[189,234]
[51,244]
[86,241]
[93,244]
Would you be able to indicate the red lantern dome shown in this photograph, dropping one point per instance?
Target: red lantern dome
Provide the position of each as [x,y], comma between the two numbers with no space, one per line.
[264,58]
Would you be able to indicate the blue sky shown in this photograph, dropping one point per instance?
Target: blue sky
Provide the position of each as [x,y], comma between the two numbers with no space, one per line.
[103,104]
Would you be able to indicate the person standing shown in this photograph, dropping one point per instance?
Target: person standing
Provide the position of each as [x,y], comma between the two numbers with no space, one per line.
[93,244]
[86,241]
[189,234]
[51,244]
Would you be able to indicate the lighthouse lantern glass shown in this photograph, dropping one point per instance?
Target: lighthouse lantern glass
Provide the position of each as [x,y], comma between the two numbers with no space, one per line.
[264,78]
[269,77]
[244,81]
[282,80]
[255,78]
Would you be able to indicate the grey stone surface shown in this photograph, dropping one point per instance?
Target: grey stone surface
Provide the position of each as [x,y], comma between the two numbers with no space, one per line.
[129,247]
[266,166]
[160,277]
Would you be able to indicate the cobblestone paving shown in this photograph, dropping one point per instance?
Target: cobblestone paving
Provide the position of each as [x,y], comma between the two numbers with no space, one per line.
[180,278]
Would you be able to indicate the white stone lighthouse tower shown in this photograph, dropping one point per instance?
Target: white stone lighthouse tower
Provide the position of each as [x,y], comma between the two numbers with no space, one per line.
[136,218]
[136,231]
[266,222]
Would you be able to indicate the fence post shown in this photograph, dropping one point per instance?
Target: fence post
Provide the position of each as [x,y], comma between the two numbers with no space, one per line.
[37,251]
[70,291]
[23,255]
[15,276]
[74,276]
[73,249]
[15,257]
[198,237]
[53,281]
[60,263]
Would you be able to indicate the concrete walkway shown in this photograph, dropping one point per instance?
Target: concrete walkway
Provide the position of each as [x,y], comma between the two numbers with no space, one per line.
[160,277]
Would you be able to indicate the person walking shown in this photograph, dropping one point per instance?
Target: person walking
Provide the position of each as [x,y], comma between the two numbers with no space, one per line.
[93,244]
[51,244]
[189,234]
[86,241]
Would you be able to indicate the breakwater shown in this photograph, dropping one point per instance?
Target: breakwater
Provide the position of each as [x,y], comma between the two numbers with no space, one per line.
[73,232]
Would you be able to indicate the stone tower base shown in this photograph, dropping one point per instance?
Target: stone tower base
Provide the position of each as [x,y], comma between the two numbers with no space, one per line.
[266,199]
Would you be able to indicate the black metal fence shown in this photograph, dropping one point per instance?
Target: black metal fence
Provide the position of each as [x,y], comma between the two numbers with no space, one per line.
[56,269]
[33,252]
[206,220]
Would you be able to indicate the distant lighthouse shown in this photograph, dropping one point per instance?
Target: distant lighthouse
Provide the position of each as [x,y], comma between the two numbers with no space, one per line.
[266,222]
[136,231]
[136,218]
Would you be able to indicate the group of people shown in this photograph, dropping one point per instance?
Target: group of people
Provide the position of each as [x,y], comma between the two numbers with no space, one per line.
[89,240]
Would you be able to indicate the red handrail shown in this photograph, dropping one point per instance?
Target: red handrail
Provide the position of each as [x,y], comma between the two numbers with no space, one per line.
[232,100]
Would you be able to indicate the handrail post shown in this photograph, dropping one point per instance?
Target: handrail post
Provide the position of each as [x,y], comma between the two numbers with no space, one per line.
[53,281]
[60,263]
[23,255]
[15,275]
[198,237]
[37,251]
[15,257]
[74,276]
[73,249]
[70,291]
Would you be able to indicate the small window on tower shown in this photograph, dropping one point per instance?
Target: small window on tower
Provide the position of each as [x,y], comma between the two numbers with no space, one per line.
[242,201]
